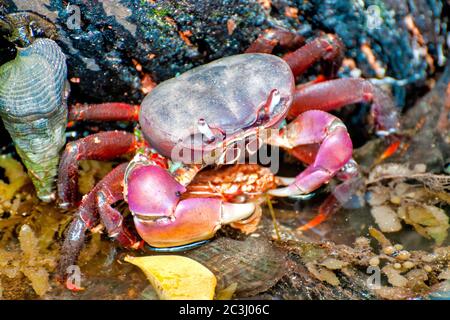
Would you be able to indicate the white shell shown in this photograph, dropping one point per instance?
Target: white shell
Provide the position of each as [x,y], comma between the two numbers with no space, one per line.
[33,107]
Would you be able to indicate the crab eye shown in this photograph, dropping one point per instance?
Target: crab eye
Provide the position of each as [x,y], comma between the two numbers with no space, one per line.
[205,129]
[273,100]
[266,108]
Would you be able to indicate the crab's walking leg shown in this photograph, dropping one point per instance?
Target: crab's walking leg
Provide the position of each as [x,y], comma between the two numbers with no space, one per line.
[111,111]
[334,151]
[113,220]
[71,248]
[327,48]
[101,146]
[329,207]
[333,94]
[351,177]
[97,204]
[273,37]
[109,193]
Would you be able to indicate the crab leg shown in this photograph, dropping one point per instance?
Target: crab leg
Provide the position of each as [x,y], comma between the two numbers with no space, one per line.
[162,219]
[95,204]
[327,48]
[112,219]
[101,146]
[71,248]
[333,94]
[272,37]
[334,150]
[329,207]
[111,111]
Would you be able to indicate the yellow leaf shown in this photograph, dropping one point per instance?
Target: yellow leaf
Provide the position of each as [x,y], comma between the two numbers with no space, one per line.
[228,292]
[16,175]
[177,277]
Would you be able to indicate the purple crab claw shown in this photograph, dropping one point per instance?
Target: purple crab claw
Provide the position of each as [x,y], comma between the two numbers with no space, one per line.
[334,150]
[163,220]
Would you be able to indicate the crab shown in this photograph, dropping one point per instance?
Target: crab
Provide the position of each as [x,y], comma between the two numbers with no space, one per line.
[214,114]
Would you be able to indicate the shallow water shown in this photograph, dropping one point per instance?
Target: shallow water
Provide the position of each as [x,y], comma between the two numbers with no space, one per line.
[106,277]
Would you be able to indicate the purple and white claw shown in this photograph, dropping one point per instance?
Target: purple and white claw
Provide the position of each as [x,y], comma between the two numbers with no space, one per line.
[324,129]
[162,219]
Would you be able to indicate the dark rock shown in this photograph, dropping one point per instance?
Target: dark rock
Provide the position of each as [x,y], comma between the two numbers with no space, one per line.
[115,35]
[430,142]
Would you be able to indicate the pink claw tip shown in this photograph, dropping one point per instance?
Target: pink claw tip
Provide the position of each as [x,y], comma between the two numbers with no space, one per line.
[194,219]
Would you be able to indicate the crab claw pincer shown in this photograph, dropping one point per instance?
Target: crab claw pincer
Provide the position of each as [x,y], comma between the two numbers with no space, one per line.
[334,150]
[163,220]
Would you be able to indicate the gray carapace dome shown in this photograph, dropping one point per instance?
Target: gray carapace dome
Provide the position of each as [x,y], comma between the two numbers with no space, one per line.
[226,93]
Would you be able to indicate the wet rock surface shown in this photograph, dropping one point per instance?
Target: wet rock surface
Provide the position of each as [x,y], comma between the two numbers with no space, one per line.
[428,125]
[120,47]
[113,47]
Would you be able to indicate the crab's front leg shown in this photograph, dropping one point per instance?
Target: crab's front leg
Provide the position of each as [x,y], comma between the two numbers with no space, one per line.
[162,219]
[328,149]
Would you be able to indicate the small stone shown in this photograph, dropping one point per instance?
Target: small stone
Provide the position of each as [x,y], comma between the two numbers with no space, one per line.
[375,261]
[427,268]
[398,247]
[396,199]
[389,250]
[403,255]
[408,265]
[397,266]
[420,168]
[428,258]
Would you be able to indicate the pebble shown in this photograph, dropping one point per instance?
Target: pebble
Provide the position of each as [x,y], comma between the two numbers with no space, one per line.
[398,247]
[408,265]
[397,266]
[420,168]
[389,250]
[428,258]
[427,268]
[404,255]
[375,261]
[396,199]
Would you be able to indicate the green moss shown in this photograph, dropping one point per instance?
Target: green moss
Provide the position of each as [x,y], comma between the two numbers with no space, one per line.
[161,12]
[156,13]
